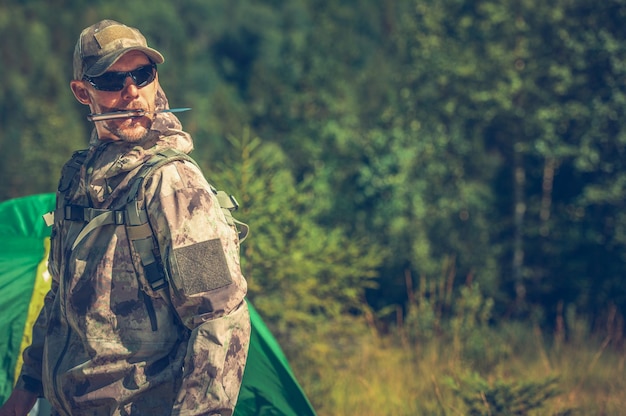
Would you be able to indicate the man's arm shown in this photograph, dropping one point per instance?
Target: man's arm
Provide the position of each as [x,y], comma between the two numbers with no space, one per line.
[214,365]
[200,251]
[20,402]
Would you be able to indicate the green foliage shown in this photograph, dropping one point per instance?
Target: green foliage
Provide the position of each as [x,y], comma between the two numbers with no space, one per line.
[299,273]
[501,397]
[475,340]
[308,282]
[35,134]
[462,317]
[531,90]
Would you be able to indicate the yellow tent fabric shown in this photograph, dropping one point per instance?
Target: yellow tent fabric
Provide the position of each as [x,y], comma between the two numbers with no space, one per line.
[41,286]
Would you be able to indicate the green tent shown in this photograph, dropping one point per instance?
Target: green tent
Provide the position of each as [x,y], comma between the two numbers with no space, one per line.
[269,386]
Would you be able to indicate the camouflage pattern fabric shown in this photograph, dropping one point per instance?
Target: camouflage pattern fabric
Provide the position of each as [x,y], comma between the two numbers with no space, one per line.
[105,343]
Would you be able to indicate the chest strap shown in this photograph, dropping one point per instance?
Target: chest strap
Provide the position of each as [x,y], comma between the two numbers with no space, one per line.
[105,217]
[137,228]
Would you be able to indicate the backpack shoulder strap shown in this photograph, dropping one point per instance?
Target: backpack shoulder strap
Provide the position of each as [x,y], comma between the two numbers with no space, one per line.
[71,169]
[146,170]
[69,177]
[227,202]
[138,227]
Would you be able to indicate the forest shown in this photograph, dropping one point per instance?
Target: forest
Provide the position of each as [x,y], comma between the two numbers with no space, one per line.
[436,189]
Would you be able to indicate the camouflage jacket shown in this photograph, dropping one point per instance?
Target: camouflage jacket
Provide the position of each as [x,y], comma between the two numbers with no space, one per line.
[105,342]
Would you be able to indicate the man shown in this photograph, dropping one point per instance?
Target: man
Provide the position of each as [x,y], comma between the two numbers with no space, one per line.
[109,339]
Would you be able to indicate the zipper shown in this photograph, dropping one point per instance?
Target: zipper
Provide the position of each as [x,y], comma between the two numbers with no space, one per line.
[62,291]
[56,371]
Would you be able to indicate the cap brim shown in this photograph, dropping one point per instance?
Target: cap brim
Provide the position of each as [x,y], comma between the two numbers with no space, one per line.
[105,62]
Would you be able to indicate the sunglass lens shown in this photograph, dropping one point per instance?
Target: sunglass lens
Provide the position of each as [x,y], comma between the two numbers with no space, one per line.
[143,75]
[115,81]
[109,81]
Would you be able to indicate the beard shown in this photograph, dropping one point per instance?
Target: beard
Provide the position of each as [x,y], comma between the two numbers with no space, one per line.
[131,130]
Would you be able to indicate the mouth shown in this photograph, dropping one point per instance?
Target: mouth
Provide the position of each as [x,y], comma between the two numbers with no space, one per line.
[117,114]
[132,113]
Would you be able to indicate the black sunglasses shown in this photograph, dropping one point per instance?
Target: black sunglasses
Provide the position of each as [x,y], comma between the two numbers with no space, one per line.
[115,81]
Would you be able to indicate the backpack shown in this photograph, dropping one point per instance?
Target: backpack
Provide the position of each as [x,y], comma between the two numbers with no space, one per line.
[132,216]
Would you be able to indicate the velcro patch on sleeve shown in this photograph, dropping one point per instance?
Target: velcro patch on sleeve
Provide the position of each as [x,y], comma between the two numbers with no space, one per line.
[202,267]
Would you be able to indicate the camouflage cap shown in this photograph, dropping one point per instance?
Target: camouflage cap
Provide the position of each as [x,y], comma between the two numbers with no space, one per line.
[102,44]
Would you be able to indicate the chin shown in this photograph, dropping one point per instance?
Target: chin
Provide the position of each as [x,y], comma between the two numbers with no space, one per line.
[132,135]
[131,131]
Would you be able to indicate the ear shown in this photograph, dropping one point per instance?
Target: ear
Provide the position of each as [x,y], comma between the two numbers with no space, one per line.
[80,92]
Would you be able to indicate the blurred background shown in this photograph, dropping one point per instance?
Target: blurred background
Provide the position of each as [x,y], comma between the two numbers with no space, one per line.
[435,188]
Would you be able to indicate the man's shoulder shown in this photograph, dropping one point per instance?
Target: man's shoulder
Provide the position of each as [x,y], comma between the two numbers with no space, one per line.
[171,171]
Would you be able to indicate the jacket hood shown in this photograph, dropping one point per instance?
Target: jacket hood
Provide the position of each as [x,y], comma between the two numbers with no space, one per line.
[109,159]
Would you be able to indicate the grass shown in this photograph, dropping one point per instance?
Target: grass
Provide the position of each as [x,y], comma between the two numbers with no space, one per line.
[460,364]
[384,376]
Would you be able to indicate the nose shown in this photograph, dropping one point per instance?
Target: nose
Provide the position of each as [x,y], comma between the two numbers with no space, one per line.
[130,89]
